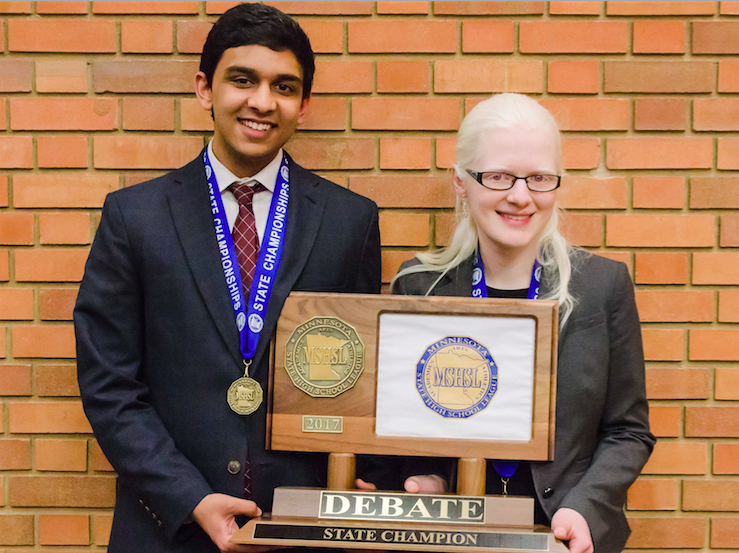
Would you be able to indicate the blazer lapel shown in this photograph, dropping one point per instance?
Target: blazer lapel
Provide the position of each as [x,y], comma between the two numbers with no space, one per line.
[189,204]
[457,282]
[306,205]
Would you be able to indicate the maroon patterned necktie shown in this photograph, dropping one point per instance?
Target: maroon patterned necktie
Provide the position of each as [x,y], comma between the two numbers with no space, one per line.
[245,236]
[246,242]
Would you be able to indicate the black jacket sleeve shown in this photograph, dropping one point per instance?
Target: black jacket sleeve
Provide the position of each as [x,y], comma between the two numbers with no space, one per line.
[625,441]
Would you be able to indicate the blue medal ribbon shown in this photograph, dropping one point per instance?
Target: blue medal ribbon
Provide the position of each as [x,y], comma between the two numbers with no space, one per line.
[505,469]
[250,317]
[480,289]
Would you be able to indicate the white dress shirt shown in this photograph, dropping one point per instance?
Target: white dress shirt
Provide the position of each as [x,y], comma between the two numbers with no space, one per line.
[267,177]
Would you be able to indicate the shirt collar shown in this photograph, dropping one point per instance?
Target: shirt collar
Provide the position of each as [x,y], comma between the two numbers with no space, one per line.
[267,177]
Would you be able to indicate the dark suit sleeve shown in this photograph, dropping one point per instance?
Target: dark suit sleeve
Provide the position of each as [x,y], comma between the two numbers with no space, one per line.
[369,273]
[625,440]
[109,327]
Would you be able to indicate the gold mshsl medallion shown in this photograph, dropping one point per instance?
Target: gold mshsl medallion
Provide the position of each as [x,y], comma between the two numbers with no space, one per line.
[324,357]
[245,395]
[456,377]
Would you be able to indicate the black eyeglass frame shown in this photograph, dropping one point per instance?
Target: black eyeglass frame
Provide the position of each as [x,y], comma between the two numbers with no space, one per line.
[479,175]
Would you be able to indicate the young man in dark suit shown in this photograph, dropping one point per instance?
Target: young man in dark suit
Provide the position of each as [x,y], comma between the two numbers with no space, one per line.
[163,327]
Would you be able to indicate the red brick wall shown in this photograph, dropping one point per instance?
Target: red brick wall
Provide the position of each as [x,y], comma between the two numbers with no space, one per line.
[95,96]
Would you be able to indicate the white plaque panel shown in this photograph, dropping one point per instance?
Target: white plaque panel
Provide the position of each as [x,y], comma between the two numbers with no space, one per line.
[403,339]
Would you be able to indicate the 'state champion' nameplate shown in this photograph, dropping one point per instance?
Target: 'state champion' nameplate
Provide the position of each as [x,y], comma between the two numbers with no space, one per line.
[324,357]
[439,540]
[456,377]
[401,507]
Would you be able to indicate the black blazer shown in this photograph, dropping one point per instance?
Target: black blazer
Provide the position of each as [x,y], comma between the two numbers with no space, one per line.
[602,437]
[157,346]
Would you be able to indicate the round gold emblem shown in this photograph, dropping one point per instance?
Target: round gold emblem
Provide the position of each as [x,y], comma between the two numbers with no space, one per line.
[324,357]
[456,377]
[245,395]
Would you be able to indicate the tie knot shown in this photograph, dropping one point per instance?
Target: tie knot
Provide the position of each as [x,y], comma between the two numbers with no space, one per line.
[244,193]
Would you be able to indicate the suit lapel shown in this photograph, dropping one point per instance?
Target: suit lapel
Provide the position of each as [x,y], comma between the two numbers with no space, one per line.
[306,205]
[457,282]
[189,204]
[190,207]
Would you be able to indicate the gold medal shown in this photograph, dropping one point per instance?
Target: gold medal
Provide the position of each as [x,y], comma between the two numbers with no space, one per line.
[245,394]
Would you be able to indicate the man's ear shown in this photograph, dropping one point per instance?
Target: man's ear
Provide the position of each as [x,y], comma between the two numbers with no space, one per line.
[203,91]
[303,109]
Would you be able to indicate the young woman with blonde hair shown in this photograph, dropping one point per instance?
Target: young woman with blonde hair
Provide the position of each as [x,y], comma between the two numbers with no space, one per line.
[507,244]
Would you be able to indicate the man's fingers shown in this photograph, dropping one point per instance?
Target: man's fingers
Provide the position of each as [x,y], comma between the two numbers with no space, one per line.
[362,485]
[215,514]
[217,506]
[227,546]
[239,506]
[230,547]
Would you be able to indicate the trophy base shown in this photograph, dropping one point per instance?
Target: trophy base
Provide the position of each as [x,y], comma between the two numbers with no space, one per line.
[298,520]
[395,536]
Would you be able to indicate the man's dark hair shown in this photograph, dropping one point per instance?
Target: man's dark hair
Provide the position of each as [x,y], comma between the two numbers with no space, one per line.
[262,25]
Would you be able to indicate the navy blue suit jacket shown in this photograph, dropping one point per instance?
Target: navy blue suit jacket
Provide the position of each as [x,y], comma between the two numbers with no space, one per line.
[157,346]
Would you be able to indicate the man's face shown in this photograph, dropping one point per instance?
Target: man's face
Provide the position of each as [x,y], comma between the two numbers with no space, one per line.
[257,102]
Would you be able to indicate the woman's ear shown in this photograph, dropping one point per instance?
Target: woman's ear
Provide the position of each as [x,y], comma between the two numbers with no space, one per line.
[459,188]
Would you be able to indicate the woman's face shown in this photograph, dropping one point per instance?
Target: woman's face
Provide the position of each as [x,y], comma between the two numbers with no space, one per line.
[511,219]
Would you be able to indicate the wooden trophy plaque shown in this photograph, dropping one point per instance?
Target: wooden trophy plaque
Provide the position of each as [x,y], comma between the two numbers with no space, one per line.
[410,376]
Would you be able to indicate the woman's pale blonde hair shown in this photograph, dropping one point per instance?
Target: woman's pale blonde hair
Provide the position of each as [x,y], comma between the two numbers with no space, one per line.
[503,111]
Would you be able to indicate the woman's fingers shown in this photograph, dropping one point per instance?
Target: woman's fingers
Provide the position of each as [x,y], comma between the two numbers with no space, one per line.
[425,483]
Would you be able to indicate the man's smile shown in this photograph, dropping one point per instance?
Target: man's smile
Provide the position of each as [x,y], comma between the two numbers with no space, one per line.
[257,125]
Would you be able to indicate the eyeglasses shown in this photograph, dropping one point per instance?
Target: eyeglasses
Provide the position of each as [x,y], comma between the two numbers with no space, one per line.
[503,181]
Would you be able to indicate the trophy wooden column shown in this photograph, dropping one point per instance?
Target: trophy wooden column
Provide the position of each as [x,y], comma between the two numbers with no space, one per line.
[342,471]
[471,473]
